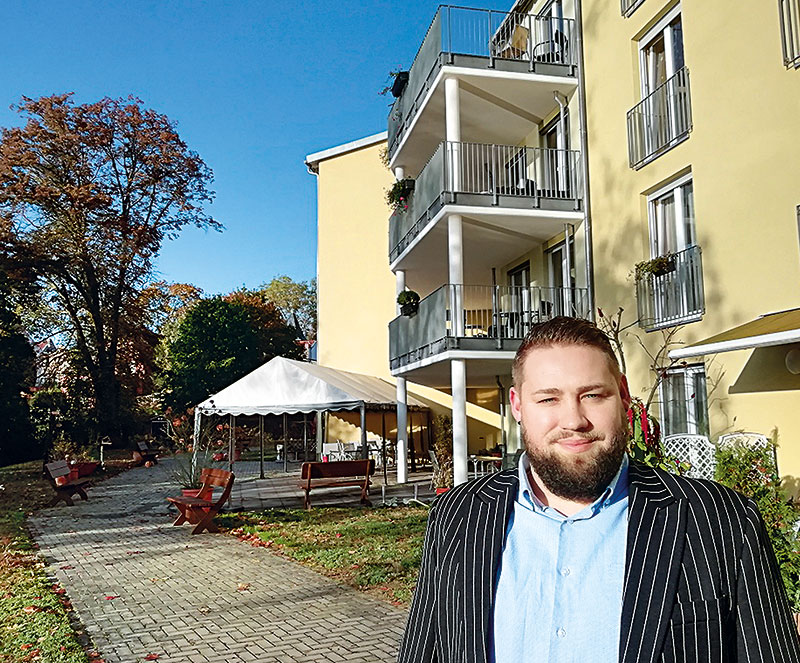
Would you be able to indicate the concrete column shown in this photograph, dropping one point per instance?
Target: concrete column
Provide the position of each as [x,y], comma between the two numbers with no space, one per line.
[400,284]
[455,270]
[452,109]
[452,152]
[399,172]
[402,431]
[458,382]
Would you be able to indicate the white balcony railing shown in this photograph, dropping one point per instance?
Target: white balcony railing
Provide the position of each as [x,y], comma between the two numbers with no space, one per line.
[660,120]
[790,32]
[674,296]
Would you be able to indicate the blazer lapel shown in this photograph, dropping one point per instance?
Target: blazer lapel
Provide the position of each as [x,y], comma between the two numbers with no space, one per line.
[656,533]
[488,520]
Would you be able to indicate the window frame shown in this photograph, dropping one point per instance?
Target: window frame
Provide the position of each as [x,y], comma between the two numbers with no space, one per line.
[688,373]
[645,40]
[674,186]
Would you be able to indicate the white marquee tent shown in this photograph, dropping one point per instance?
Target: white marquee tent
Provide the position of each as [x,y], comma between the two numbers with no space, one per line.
[287,386]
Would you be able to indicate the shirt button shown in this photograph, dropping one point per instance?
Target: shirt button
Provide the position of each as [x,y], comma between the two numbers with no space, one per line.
[561,633]
[565,572]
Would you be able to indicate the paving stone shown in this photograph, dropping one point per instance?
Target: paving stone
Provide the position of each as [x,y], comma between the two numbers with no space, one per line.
[121,543]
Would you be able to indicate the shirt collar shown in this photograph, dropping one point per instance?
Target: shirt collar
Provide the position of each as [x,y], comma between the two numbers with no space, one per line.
[615,491]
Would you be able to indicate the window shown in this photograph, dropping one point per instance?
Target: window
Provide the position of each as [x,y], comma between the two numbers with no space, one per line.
[672,223]
[661,52]
[663,117]
[684,401]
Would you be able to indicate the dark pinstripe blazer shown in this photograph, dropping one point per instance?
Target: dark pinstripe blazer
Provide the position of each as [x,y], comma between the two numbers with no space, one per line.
[701,580]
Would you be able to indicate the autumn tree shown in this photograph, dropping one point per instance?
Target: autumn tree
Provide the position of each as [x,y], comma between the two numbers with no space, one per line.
[218,341]
[88,194]
[295,300]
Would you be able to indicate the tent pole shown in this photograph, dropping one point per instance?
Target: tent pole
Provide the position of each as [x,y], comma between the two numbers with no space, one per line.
[195,440]
[305,437]
[231,440]
[285,445]
[261,442]
[364,448]
[383,446]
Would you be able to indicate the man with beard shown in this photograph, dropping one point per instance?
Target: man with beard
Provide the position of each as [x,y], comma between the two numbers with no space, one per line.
[581,555]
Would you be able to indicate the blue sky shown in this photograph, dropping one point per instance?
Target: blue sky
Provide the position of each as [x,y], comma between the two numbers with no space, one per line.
[253,86]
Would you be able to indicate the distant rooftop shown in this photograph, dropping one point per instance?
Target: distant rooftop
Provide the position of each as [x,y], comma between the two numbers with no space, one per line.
[312,160]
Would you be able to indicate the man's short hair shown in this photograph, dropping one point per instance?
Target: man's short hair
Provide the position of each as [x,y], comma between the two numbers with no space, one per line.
[562,330]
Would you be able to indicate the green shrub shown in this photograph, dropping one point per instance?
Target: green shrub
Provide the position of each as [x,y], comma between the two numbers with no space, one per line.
[751,471]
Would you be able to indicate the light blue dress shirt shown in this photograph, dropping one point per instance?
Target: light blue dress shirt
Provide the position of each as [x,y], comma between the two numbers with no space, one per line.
[559,587]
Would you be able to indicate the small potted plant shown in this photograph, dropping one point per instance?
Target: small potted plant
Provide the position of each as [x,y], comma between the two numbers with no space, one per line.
[409,303]
[658,266]
[398,194]
[399,80]
[186,474]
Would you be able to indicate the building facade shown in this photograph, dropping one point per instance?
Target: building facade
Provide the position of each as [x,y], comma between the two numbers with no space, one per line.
[578,157]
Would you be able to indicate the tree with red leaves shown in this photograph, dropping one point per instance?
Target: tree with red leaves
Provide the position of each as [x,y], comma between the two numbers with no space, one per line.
[88,193]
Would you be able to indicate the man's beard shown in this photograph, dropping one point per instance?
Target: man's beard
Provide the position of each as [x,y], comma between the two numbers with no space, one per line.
[574,477]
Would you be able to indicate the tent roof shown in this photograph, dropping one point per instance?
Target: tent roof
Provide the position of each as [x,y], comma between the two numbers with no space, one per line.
[771,329]
[288,386]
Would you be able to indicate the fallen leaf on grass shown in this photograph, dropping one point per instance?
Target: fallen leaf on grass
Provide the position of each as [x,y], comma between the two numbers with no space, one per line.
[243,586]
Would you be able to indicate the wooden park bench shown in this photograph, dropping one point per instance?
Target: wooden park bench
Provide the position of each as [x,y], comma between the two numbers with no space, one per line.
[64,487]
[337,473]
[200,512]
[144,454]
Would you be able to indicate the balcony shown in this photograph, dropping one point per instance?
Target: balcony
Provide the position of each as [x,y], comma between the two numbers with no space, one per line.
[488,177]
[790,32]
[674,296]
[660,121]
[493,318]
[485,42]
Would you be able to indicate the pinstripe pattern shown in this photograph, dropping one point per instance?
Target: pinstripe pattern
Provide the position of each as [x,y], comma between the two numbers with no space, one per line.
[701,584]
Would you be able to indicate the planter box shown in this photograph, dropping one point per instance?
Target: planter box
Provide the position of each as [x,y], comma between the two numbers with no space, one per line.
[399,84]
[86,468]
[409,310]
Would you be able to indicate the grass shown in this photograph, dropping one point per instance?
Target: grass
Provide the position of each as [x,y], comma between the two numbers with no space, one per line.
[375,550]
[34,613]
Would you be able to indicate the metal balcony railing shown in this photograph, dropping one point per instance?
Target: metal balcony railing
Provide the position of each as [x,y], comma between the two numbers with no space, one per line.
[488,175]
[660,120]
[790,31]
[478,316]
[629,6]
[481,38]
[674,296]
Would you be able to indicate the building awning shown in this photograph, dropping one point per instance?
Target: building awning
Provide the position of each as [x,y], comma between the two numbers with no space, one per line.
[780,328]
[288,386]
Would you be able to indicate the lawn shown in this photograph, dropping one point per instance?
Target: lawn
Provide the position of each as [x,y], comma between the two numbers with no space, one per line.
[34,619]
[375,550]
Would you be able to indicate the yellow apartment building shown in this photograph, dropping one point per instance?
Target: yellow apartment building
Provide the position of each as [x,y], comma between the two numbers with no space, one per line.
[356,296]
[693,141]
[567,155]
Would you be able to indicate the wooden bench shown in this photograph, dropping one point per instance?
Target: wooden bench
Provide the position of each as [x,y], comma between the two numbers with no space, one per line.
[200,512]
[65,489]
[337,473]
[144,454]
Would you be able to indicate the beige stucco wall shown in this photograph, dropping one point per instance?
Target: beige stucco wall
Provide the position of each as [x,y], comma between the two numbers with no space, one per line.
[743,155]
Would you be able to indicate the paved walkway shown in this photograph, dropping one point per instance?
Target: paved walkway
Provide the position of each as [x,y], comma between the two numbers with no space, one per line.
[199,599]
